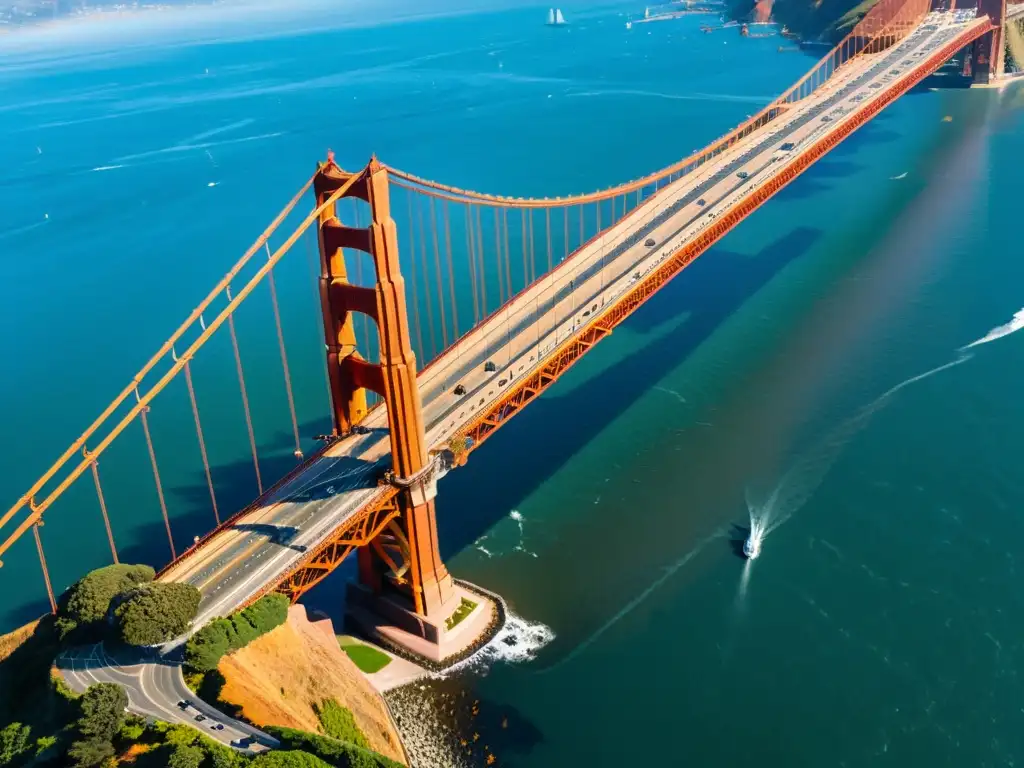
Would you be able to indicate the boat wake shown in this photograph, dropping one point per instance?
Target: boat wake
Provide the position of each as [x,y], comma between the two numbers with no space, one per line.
[999,331]
[806,474]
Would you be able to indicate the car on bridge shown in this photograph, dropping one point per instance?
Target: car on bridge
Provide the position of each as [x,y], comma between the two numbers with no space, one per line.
[743,174]
[649,242]
[788,146]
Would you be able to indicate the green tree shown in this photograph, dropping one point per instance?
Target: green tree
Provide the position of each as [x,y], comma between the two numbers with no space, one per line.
[43,743]
[85,605]
[204,649]
[132,729]
[179,735]
[289,759]
[14,740]
[183,756]
[244,632]
[155,613]
[103,708]
[223,757]
[90,752]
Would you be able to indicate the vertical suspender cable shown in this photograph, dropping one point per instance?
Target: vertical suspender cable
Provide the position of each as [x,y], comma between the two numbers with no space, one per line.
[314,276]
[579,210]
[597,207]
[202,445]
[497,248]
[508,266]
[426,278]
[471,252]
[103,509]
[565,228]
[412,278]
[526,263]
[533,259]
[547,225]
[482,264]
[451,272]
[42,564]
[437,269]
[156,475]
[245,394]
[284,359]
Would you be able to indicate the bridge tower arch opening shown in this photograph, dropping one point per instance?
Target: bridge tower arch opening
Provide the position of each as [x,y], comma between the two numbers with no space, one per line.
[988,54]
[401,569]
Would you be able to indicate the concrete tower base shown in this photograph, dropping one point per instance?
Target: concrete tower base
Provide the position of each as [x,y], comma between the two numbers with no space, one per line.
[391,619]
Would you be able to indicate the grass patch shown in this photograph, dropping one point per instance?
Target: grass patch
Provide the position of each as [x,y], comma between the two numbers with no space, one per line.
[338,723]
[465,608]
[366,657]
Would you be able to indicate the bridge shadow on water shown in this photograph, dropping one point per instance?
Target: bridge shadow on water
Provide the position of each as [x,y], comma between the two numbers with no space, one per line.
[474,498]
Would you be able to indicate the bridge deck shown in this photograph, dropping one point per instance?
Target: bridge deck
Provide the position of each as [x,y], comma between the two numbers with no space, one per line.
[521,337]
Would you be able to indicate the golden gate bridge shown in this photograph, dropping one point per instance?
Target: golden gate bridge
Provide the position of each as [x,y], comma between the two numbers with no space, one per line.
[495,296]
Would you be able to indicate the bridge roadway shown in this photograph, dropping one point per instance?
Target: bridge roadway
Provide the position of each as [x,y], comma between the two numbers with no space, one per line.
[262,546]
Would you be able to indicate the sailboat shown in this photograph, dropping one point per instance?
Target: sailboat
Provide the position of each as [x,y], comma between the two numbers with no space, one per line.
[555,17]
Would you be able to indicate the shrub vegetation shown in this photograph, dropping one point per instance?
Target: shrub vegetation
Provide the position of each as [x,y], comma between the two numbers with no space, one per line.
[335,753]
[206,647]
[338,723]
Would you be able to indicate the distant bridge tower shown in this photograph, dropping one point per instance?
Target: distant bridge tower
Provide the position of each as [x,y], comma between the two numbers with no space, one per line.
[988,54]
[404,562]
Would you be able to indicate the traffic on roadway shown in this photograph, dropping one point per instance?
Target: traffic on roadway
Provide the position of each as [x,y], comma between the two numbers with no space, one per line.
[157,691]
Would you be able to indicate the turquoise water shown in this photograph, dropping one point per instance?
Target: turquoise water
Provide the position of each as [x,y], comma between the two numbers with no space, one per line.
[879,626]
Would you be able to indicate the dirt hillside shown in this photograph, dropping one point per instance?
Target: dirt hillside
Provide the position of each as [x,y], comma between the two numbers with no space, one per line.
[278,677]
[10,642]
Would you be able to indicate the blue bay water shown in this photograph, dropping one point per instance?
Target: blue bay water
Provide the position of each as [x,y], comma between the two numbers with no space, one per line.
[880,626]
